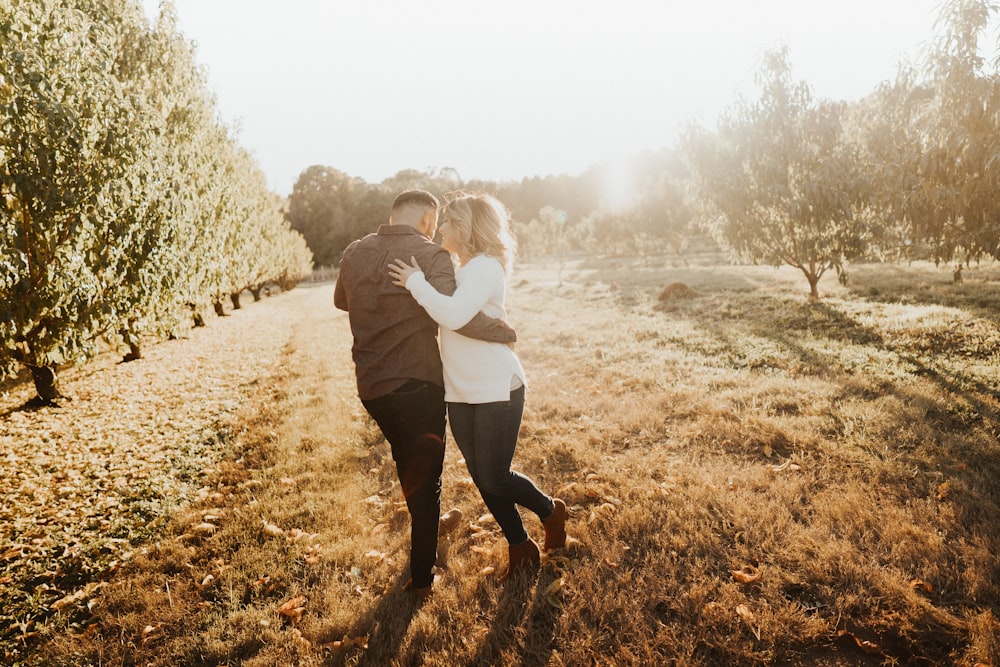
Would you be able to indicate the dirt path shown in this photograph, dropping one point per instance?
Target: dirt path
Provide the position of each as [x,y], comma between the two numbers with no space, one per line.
[84,483]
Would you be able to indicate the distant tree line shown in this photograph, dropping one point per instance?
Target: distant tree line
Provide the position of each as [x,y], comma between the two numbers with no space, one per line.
[552,214]
[126,206]
[785,178]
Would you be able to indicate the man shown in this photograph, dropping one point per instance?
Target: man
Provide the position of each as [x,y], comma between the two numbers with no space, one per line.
[397,361]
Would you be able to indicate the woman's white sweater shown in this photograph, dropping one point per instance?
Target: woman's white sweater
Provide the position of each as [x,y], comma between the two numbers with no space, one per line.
[475,371]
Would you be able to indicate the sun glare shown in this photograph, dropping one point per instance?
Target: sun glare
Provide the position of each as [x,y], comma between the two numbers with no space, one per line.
[618,186]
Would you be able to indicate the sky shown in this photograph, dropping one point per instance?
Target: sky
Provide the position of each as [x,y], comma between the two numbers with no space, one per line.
[502,91]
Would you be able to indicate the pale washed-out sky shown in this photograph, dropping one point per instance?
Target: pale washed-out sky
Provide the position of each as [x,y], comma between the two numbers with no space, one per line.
[520,88]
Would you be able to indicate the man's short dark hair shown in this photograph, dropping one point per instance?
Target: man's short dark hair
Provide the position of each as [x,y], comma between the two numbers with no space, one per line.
[415,197]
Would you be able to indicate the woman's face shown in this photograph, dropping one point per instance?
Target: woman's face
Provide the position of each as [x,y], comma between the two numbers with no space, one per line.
[448,241]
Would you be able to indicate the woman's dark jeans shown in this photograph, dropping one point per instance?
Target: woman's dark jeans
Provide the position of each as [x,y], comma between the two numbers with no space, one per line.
[412,419]
[486,433]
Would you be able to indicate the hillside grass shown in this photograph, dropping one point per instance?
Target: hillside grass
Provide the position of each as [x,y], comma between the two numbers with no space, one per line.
[754,478]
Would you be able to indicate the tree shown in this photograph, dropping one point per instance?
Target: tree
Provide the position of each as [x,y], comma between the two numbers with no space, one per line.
[781,180]
[122,198]
[660,214]
[320,208]
[70,139]
[952,202]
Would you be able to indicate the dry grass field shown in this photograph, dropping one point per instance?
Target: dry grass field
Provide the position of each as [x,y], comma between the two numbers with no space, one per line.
[754,479]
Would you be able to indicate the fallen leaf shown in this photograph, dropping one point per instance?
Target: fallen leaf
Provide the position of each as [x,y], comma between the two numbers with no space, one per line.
[489,569]
[486,518]
[921,585]
[744,612]
[868,647]
[863,644]
[151,632]
[787,465]
[347,642]
[295,535]
[610,563]
[272,530]
[15,552]
[746,574]
[943,490]
[204,528]
[293,609]
[79,596]
[555,586]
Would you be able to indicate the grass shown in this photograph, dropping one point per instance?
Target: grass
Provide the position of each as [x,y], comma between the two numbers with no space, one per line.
[753,478]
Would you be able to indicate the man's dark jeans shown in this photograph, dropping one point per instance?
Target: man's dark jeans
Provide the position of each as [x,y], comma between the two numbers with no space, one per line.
[412,419]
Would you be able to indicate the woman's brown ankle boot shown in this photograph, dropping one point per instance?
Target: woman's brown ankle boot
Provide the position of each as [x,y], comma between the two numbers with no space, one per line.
[555,526]
[522,556]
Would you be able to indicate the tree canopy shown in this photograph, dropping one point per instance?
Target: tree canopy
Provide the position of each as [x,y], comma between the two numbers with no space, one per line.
[125,202]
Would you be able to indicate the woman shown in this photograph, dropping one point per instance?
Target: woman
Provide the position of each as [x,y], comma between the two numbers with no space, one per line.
[484,382]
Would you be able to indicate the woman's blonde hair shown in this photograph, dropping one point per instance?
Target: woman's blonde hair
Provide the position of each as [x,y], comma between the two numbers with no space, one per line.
[480,224]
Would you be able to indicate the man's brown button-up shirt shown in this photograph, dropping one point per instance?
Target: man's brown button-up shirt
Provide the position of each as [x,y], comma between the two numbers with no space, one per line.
[395,340]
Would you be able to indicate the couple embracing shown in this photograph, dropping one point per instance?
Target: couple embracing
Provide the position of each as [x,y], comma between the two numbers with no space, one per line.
[399,289]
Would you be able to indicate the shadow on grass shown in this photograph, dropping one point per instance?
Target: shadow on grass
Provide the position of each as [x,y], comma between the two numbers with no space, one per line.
[962,410]
[385,625]
[979,297]
[522,609]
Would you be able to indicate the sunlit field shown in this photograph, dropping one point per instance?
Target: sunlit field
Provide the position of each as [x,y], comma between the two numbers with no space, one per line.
[754,478]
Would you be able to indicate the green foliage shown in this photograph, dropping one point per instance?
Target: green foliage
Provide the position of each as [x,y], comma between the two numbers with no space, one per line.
[951,197]
[123,198]
[71,138]
[781,181]
[330,209]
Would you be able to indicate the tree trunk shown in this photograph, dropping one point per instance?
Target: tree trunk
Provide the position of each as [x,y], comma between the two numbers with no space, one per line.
[45,384]
[235,298]
[220,310]
[135,352]
[813,285]
[132,340]
[256,293]
[199,321]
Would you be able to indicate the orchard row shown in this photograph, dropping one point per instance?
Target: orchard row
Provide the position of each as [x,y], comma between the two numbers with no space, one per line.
[126,205]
